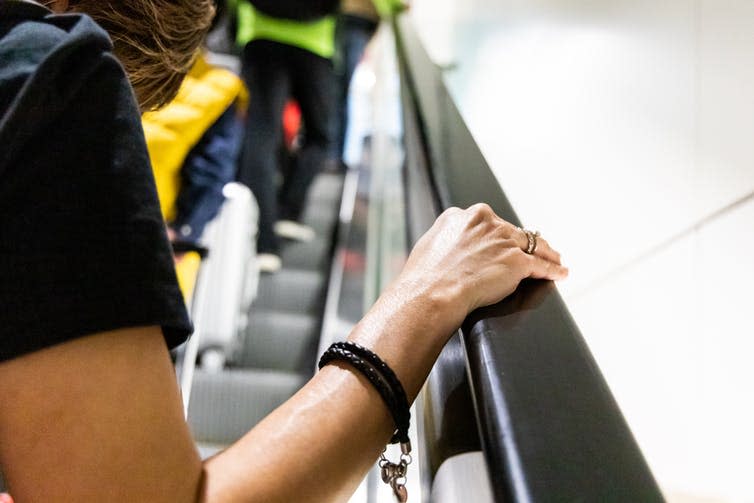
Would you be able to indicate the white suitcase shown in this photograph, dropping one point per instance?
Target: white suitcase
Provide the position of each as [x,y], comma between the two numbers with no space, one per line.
[228,277]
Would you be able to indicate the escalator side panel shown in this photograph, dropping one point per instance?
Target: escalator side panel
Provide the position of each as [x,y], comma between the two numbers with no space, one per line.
[447,426]
[449,423]
[548,419]
[549,426]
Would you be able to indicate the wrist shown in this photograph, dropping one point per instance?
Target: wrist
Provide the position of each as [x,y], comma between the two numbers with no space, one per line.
[408,326]
[440,304]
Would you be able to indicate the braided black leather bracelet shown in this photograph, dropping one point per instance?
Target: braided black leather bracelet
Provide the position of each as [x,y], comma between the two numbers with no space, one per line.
[391,390]
[381,383]
[400,409]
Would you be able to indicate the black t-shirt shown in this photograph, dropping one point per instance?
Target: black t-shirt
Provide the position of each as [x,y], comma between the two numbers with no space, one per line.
[83,247]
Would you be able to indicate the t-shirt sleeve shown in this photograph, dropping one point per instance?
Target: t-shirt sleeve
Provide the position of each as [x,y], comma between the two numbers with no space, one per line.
[83,247]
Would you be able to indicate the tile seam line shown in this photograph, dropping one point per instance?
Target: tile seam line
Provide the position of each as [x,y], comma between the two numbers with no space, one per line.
[666,243]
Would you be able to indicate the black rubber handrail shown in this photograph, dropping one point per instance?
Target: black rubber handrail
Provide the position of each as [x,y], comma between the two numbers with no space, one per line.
[548,424]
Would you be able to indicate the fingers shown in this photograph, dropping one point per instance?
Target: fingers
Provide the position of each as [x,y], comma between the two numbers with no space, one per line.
[543,248]
[543,263]
[545,251]
[542,268]
[481,211]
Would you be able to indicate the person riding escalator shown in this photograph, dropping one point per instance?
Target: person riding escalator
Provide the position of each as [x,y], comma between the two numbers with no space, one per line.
[283,57]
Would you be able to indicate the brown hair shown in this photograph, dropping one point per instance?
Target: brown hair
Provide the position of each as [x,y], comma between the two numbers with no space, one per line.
[155,40]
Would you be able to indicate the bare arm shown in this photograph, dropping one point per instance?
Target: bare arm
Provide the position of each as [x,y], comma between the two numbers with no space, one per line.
[315,447]
[96,419]
[319,445]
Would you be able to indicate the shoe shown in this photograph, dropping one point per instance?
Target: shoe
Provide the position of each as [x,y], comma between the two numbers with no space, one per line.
[293,230]
[211,360]
[269,262]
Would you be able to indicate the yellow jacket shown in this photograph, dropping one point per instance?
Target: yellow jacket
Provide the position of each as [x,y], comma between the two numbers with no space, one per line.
[172,131]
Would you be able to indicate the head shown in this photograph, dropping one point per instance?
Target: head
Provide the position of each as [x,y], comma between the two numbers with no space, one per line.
[155,40]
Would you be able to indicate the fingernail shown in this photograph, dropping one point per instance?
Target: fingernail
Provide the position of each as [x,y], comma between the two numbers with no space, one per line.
[5,498]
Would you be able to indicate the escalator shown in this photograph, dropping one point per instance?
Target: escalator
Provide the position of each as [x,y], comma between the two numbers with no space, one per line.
[515,409]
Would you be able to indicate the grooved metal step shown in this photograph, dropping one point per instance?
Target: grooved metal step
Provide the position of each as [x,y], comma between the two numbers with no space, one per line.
[321,218]
[326,187]
[277,350]
[225,405]
[311,256]
[293,290]
[280,340]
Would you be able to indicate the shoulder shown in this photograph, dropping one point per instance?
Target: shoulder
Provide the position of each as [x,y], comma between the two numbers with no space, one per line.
[47,60]
[36,44]
[78,207]
[30,35]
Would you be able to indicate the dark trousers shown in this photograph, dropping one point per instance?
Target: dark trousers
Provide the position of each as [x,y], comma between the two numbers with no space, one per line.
[351,37]
[274,72]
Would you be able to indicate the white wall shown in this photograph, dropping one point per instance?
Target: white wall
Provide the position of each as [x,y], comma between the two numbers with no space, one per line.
[624,131]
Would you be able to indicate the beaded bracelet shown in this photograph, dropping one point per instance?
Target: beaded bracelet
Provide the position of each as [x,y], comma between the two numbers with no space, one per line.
[387,384]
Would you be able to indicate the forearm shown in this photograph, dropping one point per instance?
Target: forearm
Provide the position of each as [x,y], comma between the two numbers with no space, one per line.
[320,444]
[407,328]
[315,447]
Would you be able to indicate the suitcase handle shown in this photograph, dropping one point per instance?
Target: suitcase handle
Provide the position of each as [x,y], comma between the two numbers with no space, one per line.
[189,246]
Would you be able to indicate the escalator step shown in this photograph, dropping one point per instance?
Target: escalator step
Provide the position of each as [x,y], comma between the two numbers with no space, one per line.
[280,341]
[278,346]
[326,187]
[312,256]
[322,217]
[323,204]
[225,405]
[292,290]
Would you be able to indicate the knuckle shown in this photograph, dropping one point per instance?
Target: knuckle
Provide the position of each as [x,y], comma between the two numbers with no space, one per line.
[515,233]
[518,257]
[453,210]
[505,222]
[481,209]
[479,213]
[449,213]
[511,245]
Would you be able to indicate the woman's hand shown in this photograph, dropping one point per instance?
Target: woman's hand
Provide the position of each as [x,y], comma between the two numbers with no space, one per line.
[468,259]
[477,258]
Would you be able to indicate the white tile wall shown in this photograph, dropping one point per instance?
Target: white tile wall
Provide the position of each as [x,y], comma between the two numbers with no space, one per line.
[618,127]
[641,329]
[724,327]
[725,151]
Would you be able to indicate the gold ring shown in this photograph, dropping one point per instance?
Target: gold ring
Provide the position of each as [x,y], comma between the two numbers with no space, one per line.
[531,237]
